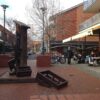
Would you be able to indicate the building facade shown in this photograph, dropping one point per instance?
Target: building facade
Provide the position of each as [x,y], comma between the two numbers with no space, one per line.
[93,23]
[10,38]
[66,24]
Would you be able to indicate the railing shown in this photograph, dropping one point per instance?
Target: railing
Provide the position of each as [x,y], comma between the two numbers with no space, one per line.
[88,3]
[90,22]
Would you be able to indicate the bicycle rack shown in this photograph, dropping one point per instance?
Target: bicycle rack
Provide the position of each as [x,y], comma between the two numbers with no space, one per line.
[50,79]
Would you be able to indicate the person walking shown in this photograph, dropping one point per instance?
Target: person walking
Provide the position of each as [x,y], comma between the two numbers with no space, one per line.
[69,55]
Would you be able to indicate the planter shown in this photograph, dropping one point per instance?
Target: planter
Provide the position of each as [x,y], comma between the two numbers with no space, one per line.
[4,60]
[43,61]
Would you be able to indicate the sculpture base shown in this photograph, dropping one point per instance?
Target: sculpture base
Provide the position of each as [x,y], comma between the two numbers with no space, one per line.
[23,71]
[5,78]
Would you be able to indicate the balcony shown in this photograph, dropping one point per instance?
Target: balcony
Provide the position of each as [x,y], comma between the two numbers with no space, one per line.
[92,6]
[90,22]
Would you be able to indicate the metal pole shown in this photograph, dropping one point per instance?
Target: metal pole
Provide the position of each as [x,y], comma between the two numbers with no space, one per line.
[84,52]
[43,35]
[5,38]
[4,33]
[84,43]
[43,12]
[99,41]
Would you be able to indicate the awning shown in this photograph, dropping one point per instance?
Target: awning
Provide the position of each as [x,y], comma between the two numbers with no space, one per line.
[84,33]
[95,27]
[79,35]
[67,40]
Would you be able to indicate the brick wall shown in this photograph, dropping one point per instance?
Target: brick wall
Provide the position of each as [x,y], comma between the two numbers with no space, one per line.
[10,36]
[67,22]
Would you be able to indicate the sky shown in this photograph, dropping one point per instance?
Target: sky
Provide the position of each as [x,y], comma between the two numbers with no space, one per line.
[65,4]
[17,7]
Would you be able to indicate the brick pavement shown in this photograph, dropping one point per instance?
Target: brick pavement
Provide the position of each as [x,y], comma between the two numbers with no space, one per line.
[82,86]
[66,97]
[3,70]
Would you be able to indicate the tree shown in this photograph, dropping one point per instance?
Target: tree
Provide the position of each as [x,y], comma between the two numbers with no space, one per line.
[32,34]
[10,24]
[36,14]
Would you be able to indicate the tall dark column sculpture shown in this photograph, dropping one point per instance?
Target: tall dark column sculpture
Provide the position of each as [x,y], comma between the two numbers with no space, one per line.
[21,50]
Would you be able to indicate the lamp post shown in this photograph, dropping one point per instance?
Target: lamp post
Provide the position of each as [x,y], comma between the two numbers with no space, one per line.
[43,47]
[85,44]
[4,33]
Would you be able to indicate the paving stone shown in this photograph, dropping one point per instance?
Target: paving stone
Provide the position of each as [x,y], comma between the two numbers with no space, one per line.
[82,86]
[52,97]
[61,97]
[43,97]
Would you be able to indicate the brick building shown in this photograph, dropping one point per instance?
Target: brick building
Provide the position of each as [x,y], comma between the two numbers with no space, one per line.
[67,24]
[10,38]
[93,23]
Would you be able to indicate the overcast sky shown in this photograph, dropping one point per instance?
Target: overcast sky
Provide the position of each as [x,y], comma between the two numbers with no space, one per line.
[17,7]
[17,11]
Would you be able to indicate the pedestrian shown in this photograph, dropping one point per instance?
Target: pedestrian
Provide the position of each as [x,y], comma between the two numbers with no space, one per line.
[69,55]
[65,53]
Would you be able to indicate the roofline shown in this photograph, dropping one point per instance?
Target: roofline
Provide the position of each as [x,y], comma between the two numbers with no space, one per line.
[73,7]
[21,24]
[6,30]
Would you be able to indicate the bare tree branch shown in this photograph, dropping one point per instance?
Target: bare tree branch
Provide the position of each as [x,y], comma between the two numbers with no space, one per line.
[35,13]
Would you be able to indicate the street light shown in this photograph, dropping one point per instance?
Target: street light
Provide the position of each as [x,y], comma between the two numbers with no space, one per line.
[4,33]
[43,12]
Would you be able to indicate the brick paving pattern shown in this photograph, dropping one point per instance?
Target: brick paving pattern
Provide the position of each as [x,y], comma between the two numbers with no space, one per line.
[66,97]
[81,86]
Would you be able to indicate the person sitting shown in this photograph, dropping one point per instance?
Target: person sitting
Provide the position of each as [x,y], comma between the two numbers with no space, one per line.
[91,61]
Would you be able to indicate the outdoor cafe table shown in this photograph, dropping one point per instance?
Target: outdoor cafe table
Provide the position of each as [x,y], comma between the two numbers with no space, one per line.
[96,58]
